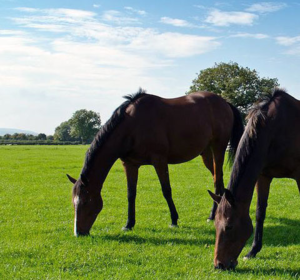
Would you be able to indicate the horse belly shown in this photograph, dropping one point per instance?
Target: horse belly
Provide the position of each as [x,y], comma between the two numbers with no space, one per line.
[287,167]
[187,146]
[175,148]
[284,157]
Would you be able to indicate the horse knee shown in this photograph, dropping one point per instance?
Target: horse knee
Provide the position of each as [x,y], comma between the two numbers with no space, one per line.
[167,192]
[131,196]
[261,212]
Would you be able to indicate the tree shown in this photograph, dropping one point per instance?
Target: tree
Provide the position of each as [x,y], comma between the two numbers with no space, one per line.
[22,136]
[238,85]
[31,137]
[85,124]
[41,136]
[50,137]
[62,132]
[15,136]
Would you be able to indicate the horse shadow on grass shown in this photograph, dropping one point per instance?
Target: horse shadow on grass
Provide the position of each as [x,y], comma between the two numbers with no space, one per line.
[270,272]
[278,232]
[282,232]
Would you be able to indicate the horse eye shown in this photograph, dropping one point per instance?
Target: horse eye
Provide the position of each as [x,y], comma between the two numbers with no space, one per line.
[228,227]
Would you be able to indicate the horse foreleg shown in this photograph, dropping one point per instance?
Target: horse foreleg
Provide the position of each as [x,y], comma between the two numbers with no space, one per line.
[262,188]
[218,160]
[162,171]
[132,176]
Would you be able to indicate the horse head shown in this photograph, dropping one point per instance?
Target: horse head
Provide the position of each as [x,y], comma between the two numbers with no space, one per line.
[87,205]
[233,228]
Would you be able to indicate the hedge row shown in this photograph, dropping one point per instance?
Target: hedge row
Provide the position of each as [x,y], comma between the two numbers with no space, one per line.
[38,142]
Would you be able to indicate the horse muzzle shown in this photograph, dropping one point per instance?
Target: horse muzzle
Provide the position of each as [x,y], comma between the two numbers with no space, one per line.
[79,233]
[226,266]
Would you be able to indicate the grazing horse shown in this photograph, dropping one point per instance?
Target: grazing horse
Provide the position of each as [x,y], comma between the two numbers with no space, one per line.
[269,148]
[149,130]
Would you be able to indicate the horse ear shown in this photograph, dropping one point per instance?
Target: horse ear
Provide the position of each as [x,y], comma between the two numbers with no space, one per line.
[229,197]
[72,180]
[216,198]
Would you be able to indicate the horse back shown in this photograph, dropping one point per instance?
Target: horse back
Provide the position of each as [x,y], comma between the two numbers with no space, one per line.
[179,128]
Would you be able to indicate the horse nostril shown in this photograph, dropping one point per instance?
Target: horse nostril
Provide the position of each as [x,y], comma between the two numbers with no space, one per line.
[233,264]
[220,266]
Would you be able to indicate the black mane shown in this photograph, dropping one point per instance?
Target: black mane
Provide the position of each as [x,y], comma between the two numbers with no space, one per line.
[108,127]
[258,112]
[256,120]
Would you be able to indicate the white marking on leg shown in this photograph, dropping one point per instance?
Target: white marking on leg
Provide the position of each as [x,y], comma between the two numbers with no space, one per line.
[75,224]
[76,202]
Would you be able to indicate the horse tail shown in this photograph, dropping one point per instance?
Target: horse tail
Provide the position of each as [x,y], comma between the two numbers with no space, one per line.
[236,133]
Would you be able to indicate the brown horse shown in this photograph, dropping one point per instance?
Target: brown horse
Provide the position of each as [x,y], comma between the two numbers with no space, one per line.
[269,148]
[149,130]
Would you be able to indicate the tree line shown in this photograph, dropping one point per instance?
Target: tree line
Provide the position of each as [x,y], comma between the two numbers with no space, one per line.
[79,129]
[240,86]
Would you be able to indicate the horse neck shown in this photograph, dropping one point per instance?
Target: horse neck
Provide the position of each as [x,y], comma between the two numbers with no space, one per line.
[97,169]
[249,162]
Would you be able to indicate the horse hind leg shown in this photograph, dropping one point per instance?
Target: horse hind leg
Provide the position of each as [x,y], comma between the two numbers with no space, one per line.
[132,177]
[161,168]
[213,159]
[207,159]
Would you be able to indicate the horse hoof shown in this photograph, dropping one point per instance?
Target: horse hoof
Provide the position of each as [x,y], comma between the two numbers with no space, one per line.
[249,256]
[126,229]
[173,226]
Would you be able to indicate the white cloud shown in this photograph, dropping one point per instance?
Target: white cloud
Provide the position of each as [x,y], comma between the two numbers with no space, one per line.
[251,35]
[71,13]
[176,22]
[221,18]
[293,44]
[294,51]
[19,46]
[72,76]
[83,63]
[118,18]
[96,6]
[11,32]
[139,12]
[266,7]
[223,4]
[25,9]
[288,41]
[174,45]
[127,38]
[80,14]
[200,7]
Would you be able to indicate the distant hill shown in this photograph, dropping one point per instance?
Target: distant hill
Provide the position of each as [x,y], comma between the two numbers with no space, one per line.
[4,131]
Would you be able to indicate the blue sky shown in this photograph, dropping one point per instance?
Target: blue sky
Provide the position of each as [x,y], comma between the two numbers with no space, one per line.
[60,56]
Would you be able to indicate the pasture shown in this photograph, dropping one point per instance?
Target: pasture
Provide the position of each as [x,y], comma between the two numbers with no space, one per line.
[36,224]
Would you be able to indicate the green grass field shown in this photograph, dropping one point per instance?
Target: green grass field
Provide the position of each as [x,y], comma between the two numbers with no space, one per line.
[36,224]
